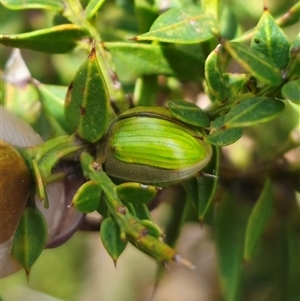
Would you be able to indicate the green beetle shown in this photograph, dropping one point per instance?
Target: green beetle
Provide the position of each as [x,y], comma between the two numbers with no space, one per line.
[149,146]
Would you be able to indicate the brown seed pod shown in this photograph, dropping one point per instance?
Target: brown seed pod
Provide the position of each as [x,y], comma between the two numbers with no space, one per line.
[14,189]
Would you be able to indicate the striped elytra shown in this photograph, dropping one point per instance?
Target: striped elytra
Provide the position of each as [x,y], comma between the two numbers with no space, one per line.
[154,149]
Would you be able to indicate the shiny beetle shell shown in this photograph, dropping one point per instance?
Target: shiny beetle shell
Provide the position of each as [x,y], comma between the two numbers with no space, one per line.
[147,145]
[14,189]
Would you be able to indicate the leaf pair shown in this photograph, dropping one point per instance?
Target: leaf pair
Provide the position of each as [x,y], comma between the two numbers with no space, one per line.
[87,105]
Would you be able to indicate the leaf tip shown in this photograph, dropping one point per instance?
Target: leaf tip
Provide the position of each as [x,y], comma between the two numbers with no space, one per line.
[27,271]
[115,262]
[201,222]
[217,49]
[45,203]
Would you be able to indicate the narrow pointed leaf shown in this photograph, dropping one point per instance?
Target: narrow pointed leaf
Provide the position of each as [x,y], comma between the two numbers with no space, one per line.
[253,111]
[258,219]
[142,211]
[214,77]
[206,187]
[58,39]
[293,68]
[145,59]
[87,197]
[57,5]
[146,12]
[39,182]
[151,228]
[220,135]
[229,238]
[270,40]
[188,112]
[136,193]
[200,191]
[291,91]
[293,248]
[111,238]
[257,64]
[182,25]
[92,8]
[30,238]
[228,23]
[87,101]
[145,91]
[53,98]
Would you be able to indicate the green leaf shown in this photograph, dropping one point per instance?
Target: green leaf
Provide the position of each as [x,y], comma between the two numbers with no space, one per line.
[229,234]
[258,219]
[58,39]
[144,59]
[228,23]
[53,98]
[92,8]
[200,191]
[293,68]
[252,111]
[136,193]
[152,229]
[87,197]
[270,40]
[188,112]
[57,5]
[142,212]
[111,238]
[183,25]
[22,101]
[257,64]
[146,12]
[238,84]
[214,77]
[102,208]
[30,238]
[145,91]
[87,105]
[293,248]
[220,135]
[40,183]
[291,91]
[206,187]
